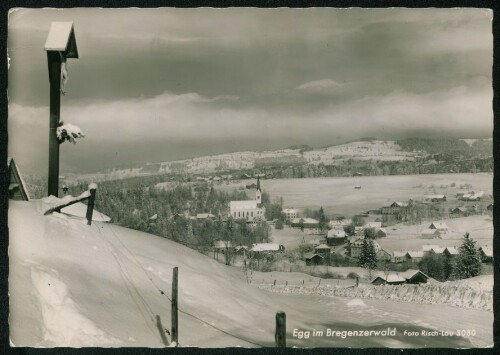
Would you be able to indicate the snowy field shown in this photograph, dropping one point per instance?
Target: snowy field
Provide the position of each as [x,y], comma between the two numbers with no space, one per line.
[76,285]
[337,195]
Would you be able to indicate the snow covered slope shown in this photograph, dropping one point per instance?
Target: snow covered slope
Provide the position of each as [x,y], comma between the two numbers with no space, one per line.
[76,285]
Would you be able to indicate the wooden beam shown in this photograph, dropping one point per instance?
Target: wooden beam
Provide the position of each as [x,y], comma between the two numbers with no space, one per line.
[54,61]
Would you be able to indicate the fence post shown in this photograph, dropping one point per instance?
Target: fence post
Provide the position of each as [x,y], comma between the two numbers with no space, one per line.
[175,320]
[90,206]
[357,281]
[280,334]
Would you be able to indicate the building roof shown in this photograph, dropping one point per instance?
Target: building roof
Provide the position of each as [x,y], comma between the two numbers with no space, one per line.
[265,247]
[204,215]
[335,233]
[243,205]
[290,210]
[415,253]
[399,204]
[459,209]
[487,250]
[305,221]
[411,273]
[312,255]
[430,197]
[452,250]
[322,246]
[438,250]
[429,247]
[399,253]
[438,225]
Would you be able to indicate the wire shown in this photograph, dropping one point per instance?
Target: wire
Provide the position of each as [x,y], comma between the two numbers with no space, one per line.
[179,309]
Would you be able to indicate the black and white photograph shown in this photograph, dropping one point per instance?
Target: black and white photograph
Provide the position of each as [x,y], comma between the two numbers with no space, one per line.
[250,177]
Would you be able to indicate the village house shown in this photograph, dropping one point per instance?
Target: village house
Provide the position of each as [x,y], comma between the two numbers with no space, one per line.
[459,211]
[486,253]
[440,226]
[414,256]
[313,259]
[251,210]
[435,198]
[335,237]
[396,211]
[383,255]
[398,278]
[451,251]
[267,248]
[357,245]
[426,248]
[399,256]
[241,249]
[322,249]
[430,233]
[18,189]
[290,213]
[307,225]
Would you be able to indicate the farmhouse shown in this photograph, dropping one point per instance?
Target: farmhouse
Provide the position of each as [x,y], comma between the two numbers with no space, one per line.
[383,255]
[322,249]
[450,251]
[435,198]
[313,259]
[399,256]
[307,225]
[391,279]
[335,237]
[459,211]
[415,276]
[431,233]
[397,209]
[357,245]
[440,226]
[267,248]
[290,213]
[486,253]
[426,248]
[251,210]
[399,278]
[414,256]
[17,188]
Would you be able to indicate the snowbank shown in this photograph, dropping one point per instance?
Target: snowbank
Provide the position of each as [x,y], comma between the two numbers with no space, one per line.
[49,203]
[449,294]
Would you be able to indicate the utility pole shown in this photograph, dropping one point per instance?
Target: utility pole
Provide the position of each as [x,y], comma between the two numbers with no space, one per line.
[60,45]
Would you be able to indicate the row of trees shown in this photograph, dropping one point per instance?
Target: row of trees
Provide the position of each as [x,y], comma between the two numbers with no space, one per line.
[166,213]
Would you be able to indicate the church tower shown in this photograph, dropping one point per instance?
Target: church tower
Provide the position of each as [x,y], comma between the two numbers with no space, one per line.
[258,192]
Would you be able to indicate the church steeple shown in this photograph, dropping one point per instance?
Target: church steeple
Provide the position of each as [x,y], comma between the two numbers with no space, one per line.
[258,192]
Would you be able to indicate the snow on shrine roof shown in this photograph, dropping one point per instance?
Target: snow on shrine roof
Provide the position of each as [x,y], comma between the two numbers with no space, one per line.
[62,38]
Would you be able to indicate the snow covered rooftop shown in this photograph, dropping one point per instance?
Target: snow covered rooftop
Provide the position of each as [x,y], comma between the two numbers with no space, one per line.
[265,247]
[335,233]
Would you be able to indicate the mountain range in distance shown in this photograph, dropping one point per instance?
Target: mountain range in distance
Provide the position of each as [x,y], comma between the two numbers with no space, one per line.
[363,151]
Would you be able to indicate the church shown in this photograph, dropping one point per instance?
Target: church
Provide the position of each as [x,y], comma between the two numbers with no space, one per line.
[251,210]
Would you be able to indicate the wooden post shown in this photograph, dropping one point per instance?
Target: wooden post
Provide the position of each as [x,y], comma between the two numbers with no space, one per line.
[175,320]
[357,281]
[280,334]
[54,61]
[90,206]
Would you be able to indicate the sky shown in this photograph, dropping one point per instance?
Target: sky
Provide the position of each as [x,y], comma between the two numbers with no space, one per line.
[154,85]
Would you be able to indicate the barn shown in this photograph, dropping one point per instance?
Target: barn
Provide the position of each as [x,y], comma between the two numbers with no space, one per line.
[313,259]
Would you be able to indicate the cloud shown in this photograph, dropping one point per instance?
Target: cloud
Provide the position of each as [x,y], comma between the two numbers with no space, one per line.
[194,124]
[321,85]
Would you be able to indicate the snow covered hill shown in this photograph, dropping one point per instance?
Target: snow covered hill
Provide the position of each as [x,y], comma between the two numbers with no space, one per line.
[76,285]
[363,150]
